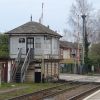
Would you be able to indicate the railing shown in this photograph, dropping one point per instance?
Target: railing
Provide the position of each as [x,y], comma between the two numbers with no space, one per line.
[47,56]
[16,64]
[25,65]
[53,56]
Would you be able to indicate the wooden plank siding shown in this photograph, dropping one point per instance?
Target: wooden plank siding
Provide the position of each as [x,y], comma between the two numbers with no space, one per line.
[4,70]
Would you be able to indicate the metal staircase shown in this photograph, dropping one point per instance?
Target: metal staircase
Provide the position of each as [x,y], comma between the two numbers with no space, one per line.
[18,73]
[29,76]
[20,67]
[16,66]
[26,63]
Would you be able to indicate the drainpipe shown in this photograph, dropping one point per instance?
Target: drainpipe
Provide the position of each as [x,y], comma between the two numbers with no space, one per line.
[51,54]
[42,65]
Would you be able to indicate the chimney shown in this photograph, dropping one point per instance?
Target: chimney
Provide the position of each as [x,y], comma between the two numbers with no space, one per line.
[31,18]
[48,26]
[56,31]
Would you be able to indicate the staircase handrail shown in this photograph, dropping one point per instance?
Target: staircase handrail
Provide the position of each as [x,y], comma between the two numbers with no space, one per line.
[26,64]
[16,64]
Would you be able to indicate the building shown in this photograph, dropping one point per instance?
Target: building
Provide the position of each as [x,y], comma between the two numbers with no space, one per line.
[34,49]
[3,70]
[5,61]
[71,57]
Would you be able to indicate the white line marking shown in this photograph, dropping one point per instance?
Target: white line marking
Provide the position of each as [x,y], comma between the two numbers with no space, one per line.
[91,95]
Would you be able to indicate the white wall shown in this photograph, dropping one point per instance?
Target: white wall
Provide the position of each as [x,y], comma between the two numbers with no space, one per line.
[66,54]
[55,46]
[38,51]
[49,46]
[9,71]
[15,45]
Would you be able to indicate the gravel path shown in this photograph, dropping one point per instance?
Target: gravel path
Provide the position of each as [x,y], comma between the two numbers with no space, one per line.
[12,89]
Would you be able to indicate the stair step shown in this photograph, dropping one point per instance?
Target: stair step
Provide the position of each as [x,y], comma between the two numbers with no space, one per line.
[18,76]
[31,67]
[29,77]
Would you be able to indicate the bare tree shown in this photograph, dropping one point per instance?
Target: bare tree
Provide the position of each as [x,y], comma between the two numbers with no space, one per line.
[96,35]
[82,22]
[79,8]
[66,35]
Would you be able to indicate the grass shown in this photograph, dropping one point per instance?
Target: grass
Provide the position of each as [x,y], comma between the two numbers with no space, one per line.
[31,87]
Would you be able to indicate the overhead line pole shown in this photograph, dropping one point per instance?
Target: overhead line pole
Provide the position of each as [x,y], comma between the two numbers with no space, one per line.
[78,38]
[83,17]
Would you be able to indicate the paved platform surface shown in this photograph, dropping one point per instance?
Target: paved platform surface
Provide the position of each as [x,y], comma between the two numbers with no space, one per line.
[84,78]
[80,78]
[94,96]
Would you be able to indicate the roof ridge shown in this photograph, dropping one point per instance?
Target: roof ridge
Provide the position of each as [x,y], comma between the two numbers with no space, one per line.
[32,27]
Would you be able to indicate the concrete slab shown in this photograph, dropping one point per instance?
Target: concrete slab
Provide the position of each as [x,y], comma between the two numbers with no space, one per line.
[80,78]
[94,96]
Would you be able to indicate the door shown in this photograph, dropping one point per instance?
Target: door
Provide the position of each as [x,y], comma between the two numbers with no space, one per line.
[30,43]
[37,77]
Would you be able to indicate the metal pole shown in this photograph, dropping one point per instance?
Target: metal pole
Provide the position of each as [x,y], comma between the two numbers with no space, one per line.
[75,64]
[83,45]
[42,67]
[0,73]
[0,77]
[78,55]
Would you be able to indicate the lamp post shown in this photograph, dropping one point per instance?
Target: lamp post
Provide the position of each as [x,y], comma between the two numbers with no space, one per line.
[83,45]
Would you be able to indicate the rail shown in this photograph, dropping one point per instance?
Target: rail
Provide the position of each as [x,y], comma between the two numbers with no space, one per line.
[16,64]
[46,93]
[80,95]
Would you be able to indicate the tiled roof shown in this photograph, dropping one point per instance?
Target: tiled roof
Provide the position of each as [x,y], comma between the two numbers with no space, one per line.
[33,28]
[66,44]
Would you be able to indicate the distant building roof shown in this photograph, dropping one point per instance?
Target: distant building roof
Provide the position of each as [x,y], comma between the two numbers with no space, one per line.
[33,28]
[66,44]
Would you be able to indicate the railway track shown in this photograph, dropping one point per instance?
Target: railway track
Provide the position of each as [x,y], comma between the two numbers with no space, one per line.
[77,93]
[66,91]
[89,90]
[39,95]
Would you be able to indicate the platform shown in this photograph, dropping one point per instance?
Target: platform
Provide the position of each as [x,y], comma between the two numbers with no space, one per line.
[80,78]
[94,96]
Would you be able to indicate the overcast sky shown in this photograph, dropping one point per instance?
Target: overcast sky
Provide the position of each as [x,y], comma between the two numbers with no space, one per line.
[17,12]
